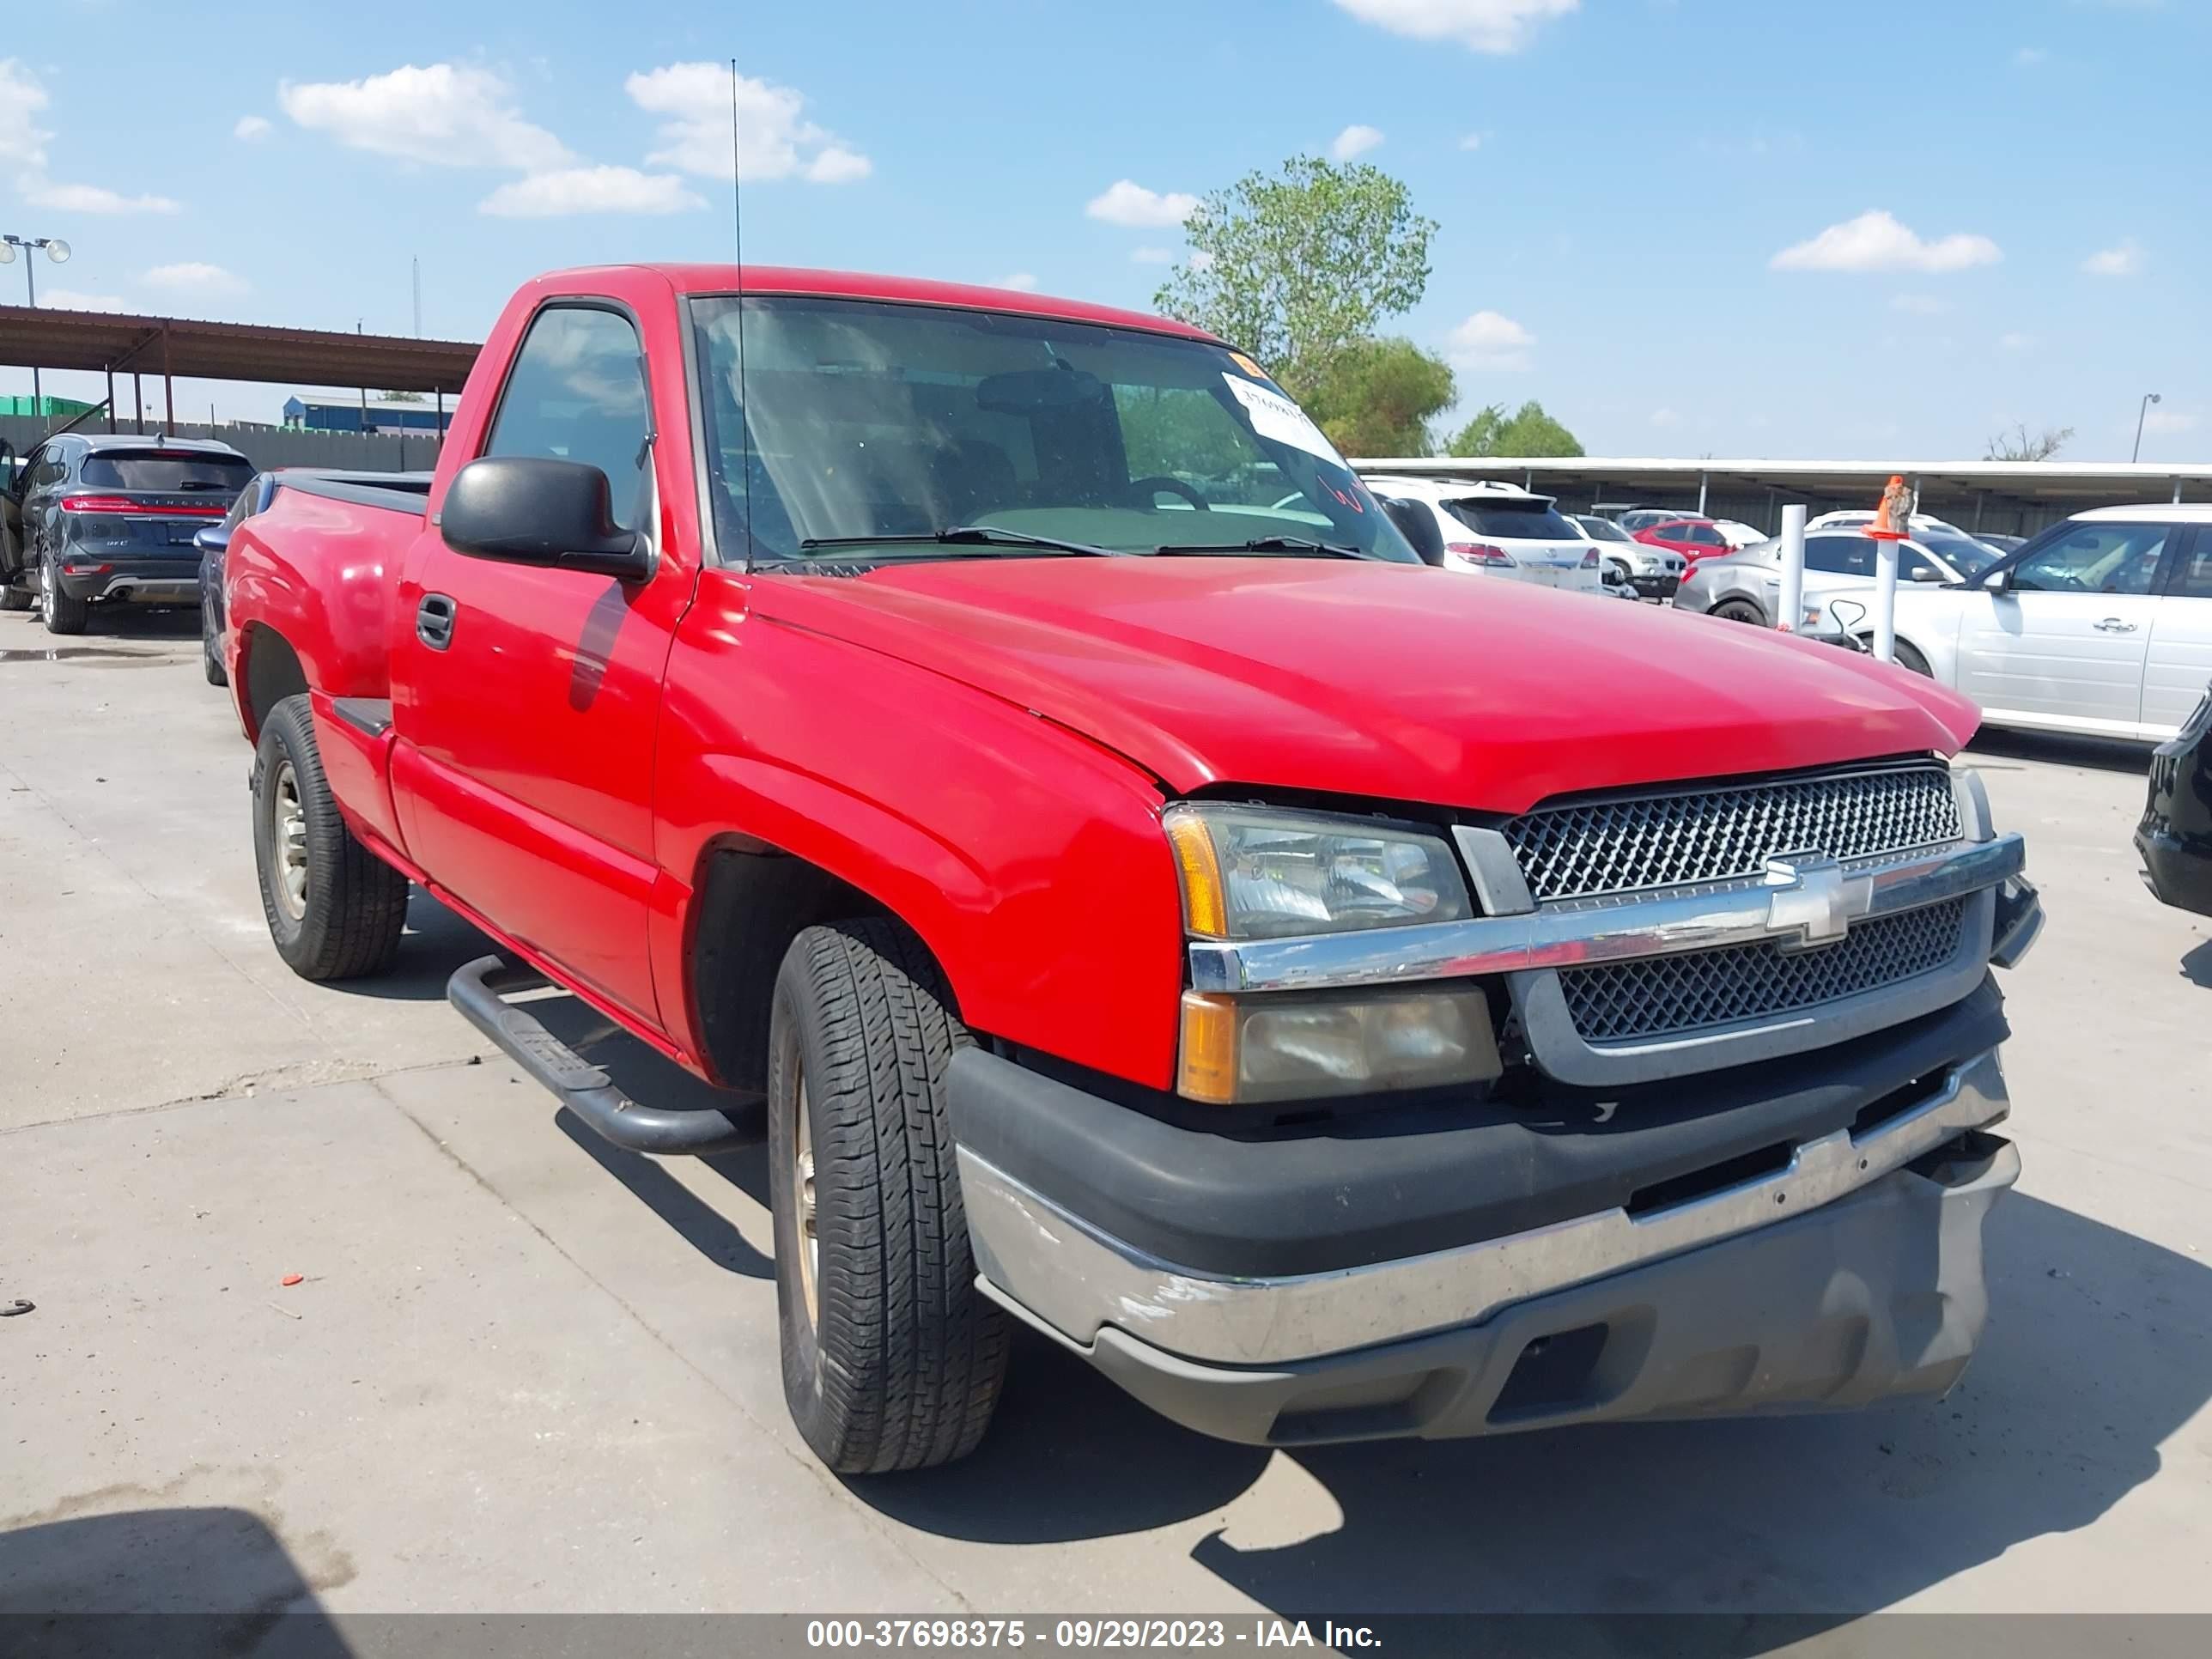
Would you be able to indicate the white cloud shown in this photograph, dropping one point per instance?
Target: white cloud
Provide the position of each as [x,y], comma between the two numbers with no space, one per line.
[69,299]
[2028,57]
[1153,256]
[1201,260]
[1666,418]
[1920,305]
[252,127]
[1354,140]
[1479,25]
[93,198]
[2015,343]
[448,114]
[2125,260]
[195,277]
[1022,282]
[589,190]
[1876,241]
[22,141]
[776,139]
[1124,202]
[2169,420]
[1490,340]
[1472,141]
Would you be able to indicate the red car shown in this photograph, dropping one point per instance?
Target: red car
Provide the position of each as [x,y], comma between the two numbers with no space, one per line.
[999,742]
[1694,538]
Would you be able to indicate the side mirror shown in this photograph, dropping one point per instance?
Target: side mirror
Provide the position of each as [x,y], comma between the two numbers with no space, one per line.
[213,539]
[558,515]
[1925,573]
[1999,582]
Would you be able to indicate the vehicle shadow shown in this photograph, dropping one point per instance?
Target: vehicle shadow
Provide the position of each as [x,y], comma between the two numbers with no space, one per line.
[179,1582]
[137,622]
[2104,754]
[2196,965]
[2099,1348]
[436,942]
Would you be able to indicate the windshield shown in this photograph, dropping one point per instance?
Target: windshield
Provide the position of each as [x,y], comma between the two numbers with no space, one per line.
[848,423]
[1959,551]
[1527,520]
[1602,530]
[153,469]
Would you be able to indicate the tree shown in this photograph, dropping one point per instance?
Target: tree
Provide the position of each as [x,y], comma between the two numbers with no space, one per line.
[1295,268]
[1528,431]
[2018,445]
[1376,396]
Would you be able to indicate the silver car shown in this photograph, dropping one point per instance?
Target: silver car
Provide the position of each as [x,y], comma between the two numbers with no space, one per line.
[1652,571]
[1747,586]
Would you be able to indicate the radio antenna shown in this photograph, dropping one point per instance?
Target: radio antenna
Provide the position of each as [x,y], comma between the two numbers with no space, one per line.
[738,236]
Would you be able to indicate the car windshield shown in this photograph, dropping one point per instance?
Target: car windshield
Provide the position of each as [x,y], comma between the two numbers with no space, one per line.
[1527,520]
[1959,551]
[155,470]
[1602,530]
[839,430]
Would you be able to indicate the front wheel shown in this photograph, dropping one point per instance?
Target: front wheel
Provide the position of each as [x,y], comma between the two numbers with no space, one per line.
[335,909]
[1740,610]
[893,1359]
[210,656]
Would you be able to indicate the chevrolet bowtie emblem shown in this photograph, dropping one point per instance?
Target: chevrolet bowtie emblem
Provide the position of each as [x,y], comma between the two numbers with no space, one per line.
[1811,901]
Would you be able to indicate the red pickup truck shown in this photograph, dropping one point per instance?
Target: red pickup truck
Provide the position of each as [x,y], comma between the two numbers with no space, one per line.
[998,743]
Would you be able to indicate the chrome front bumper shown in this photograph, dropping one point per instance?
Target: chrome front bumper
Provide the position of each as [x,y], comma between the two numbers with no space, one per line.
[1080,1284]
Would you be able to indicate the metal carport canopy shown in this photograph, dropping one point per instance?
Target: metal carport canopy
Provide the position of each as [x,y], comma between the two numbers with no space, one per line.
[2071,482]
[101,340]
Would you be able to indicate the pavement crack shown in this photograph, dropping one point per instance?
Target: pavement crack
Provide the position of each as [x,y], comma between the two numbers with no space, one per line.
[275,1080]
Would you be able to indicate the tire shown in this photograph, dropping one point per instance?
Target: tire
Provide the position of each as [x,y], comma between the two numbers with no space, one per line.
[61,613]
[1908,658]
[1621,569]
[15,598]
[1740,610]
[893,1359]
[345,919]
[210,660]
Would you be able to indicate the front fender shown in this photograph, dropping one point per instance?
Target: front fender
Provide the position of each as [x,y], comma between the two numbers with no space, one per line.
[1028,860]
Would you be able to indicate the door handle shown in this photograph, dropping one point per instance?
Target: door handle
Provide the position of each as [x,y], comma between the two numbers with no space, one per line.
[434,621]
[2114,625]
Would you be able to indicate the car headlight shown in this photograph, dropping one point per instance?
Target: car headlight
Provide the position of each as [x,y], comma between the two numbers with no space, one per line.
[1249,873]
[1254,873]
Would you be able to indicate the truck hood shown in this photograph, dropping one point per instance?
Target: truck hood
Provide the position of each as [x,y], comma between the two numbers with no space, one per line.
[1376,681]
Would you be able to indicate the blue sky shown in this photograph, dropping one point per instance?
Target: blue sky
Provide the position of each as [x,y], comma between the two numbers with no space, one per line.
[1689,227]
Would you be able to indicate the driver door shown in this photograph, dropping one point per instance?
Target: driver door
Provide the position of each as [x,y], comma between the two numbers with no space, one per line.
[2062,642]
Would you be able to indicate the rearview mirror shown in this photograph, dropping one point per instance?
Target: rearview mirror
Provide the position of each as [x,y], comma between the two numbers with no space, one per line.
[1034,390]
[520,509]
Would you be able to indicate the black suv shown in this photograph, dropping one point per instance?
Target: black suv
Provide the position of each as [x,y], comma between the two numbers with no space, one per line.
[93,519]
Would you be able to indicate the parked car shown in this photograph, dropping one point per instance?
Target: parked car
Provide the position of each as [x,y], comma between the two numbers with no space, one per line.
[2101,625]
[1653,572]
[1643,518]
[2003,543]
[1747,586]
[1738,534]
[1334,997]
[101,520]
[1694,539]
[1500,530]
[2175,836]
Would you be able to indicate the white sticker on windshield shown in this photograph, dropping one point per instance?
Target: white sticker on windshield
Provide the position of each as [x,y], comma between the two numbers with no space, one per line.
[1273,415]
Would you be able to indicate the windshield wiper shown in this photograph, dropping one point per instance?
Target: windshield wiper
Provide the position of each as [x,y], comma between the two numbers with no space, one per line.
[1266,544]
[968,535]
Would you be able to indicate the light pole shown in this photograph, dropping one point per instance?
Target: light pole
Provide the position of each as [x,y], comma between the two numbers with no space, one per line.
[58,251]
[2142,410]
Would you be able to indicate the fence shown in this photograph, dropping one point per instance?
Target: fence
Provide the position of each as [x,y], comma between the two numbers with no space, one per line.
[267,447]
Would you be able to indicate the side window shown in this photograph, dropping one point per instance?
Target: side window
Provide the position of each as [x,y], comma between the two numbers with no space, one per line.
[1839,556]
[2094,558]
[1703,535]
[577,393]
[2192,577]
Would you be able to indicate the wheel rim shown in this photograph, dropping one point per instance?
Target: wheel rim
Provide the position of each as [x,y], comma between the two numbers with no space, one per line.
[46,595]
[802,1188]
[287,824]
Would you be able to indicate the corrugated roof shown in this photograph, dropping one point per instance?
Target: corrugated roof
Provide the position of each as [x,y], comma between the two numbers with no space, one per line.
[183,346]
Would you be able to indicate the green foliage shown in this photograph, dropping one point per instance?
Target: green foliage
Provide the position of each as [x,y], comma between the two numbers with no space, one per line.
[1378,397]
[1297,267]
[1528,431]
[1173,430]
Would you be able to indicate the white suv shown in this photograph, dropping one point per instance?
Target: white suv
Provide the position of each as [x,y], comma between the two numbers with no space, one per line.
[1500,530]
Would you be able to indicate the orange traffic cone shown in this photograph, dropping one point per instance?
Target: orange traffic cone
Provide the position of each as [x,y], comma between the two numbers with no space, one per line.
[1892,522]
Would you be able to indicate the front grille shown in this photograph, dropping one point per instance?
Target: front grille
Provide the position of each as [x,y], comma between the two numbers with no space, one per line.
[1668,996]
[1581,850]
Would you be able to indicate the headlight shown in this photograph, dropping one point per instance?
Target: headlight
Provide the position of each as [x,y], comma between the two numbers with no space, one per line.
[1249,873]
[1252,1050]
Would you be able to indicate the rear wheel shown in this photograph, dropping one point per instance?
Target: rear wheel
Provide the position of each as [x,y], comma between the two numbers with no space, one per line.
[335,909]
[59,611]
[893,1359]
[1740,610]
[210,656]
[15,597]
[1908,658]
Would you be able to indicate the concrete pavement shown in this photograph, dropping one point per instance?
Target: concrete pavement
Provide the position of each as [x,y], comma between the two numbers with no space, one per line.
[524,1372]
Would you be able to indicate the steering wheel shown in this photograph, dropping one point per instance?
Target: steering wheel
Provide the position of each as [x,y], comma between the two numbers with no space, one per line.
[1148,488]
